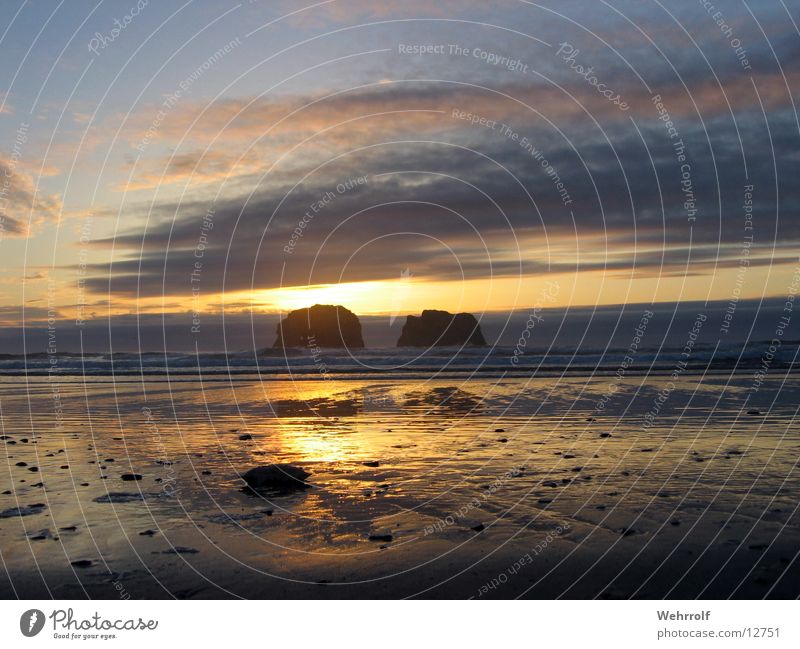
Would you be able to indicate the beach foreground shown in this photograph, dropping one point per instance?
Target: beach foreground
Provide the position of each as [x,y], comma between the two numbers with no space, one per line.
[490,488]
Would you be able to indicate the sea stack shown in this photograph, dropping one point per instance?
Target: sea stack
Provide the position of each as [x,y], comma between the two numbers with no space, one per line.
[322,325]
[440,328]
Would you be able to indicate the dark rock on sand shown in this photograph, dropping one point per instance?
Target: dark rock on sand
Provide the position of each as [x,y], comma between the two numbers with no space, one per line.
[382,538]
[23,511]
[323,325]
[41,535]
[148,533]
[441,328]
[373,464]
[122,497]
[83,563]
[245,437]
[605,435]
[180,550]
[131,477]
[276,476]
[478,528]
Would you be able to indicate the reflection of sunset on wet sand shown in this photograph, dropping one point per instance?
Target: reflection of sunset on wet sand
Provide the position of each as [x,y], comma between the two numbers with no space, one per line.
[401,474]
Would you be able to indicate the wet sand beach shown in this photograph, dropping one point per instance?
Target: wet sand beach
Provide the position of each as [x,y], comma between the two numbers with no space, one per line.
[487,488]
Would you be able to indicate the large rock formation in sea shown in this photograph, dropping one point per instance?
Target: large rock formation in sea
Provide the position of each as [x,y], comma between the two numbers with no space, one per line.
[322,325]
[440,328]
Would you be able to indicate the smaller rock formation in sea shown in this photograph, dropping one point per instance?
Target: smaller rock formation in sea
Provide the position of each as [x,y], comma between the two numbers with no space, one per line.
[440,328]
[322,325]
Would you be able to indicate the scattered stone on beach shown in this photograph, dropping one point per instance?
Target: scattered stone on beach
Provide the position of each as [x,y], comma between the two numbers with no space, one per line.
[148,533]
[577,469]
[478,528]
[499,430]
[33,469]
[122,497]
[503,440]
[646,450]
[276,476]
[131,477]
[83,563]
[245,437]
[178,549]
[549,483]
[600,507]
[225,517]
[627,531]
[372,463]
[754,411]
[21,464]
[41,535]
[675,522]
[545,501]
[23,511]
[758,546]
[604,435]
[68,528]
[381,538]
[568,456]
[64,466]
[205,472]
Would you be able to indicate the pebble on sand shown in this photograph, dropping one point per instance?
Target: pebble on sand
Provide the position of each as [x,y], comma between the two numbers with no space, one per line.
[180,550]
[83,563]
[382,538]
[130,477]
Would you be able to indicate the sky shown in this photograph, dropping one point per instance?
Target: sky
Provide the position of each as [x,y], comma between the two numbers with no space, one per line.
[188,162]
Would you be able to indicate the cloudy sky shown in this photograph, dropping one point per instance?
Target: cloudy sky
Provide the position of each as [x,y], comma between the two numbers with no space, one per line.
[201,158]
